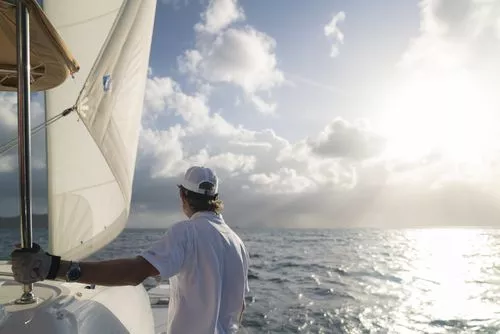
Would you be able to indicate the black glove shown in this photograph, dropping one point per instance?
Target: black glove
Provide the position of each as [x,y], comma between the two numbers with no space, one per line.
[30,265]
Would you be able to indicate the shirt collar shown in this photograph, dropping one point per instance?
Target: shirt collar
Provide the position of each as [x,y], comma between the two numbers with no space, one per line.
[205,214]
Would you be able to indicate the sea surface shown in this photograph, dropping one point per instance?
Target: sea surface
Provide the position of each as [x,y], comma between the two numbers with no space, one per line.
[356,280]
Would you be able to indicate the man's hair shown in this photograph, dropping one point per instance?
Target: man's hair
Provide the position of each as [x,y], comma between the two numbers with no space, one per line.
[199,202]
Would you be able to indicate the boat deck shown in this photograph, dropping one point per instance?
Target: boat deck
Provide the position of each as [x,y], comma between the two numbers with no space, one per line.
[159,297]
[62,306]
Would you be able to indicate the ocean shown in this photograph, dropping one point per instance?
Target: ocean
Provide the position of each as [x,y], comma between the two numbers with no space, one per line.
[356,280]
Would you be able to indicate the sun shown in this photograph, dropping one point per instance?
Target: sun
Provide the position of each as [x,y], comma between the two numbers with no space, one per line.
[450,115]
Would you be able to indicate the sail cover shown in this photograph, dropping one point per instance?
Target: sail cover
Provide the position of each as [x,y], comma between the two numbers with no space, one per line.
[51,61]
[91,154]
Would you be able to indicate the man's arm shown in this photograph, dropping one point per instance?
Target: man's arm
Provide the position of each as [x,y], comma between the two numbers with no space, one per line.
[132,271]
[165,257]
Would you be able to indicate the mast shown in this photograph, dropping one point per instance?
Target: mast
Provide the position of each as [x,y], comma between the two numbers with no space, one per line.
[24,135]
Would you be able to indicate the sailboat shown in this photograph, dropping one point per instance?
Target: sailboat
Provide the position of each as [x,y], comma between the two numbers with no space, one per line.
[92,130]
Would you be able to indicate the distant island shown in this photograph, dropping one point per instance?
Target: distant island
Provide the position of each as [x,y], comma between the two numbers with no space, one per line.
[39,221]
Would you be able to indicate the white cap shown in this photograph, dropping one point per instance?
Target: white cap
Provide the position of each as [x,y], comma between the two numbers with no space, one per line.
[201,180]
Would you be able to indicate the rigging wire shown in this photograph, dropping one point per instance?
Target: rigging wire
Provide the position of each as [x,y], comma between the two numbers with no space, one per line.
[13,142]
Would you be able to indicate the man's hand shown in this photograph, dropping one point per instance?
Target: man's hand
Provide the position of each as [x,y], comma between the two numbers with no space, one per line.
[30,265]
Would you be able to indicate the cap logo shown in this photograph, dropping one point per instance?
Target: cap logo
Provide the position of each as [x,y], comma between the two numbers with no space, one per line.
[206,186]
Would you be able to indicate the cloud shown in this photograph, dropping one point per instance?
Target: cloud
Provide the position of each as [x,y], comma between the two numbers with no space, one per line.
[228,161]
[219,15]
[258,169]
[455,34]
[241,56]
[244,57]
[198,140]
[164,94]
[341,139]
[284,181]
[333,32]
[157,90]
[335,178]
[366,205]
[162,150]
[8,131]
[8,114]
[205,137]
[9,177]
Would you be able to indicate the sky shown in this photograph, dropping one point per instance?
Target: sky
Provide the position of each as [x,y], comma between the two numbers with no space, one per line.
[342,114]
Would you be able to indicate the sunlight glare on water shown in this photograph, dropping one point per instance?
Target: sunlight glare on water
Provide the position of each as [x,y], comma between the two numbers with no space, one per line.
[447,271]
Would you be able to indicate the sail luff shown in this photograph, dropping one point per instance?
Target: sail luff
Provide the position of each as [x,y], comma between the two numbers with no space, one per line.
[91,191]
[92,88]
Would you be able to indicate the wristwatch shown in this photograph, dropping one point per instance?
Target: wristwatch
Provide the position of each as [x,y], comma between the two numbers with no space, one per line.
[74,272]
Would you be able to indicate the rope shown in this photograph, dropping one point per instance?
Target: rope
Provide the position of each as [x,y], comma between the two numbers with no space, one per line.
[13,142]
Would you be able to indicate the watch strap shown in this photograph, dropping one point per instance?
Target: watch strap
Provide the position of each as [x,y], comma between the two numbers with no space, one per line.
[54,266]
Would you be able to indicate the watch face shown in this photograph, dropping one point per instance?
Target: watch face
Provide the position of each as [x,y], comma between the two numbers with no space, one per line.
[74,273]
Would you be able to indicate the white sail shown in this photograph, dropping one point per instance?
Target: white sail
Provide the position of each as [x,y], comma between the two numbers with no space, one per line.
[91,154]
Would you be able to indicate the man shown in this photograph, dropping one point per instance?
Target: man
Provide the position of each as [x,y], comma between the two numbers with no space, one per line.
[205,260]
